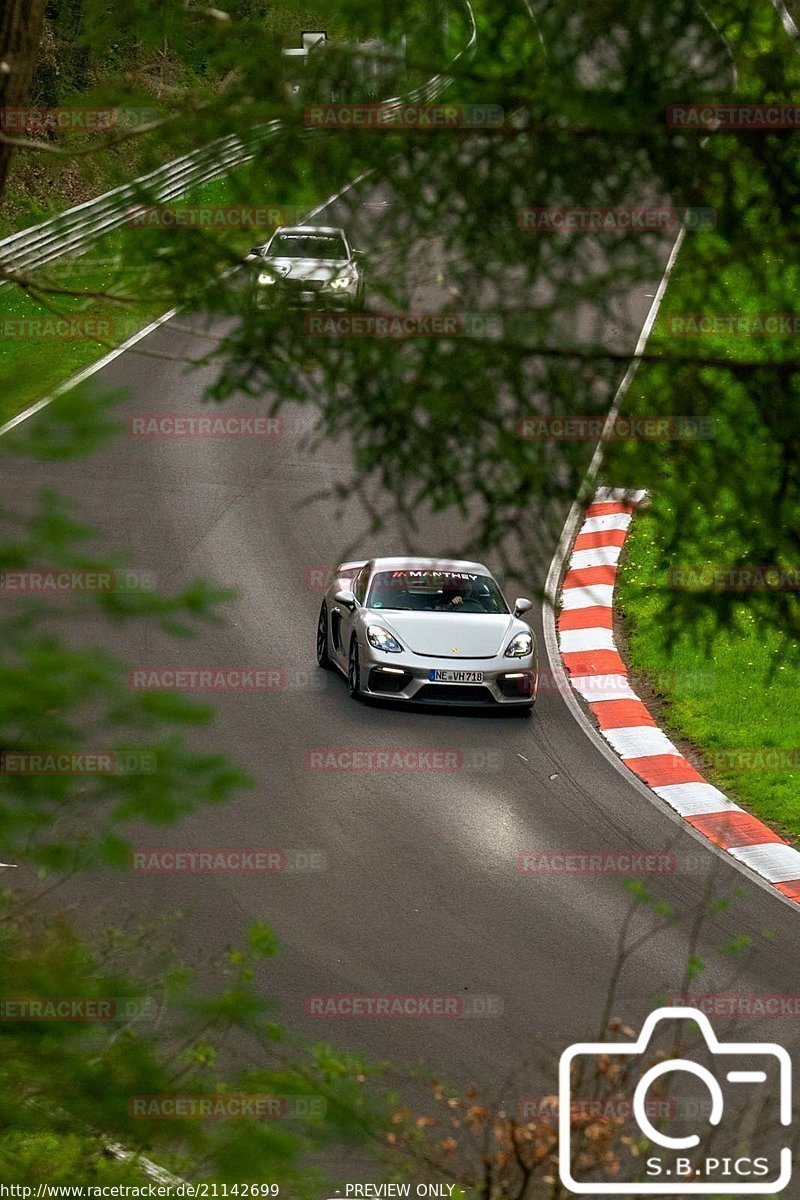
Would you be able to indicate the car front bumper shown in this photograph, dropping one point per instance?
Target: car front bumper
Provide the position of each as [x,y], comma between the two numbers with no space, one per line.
[408,677]
[297,296]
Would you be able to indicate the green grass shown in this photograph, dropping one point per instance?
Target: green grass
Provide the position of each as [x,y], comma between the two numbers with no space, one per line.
[728,661]
[739,692]
[32,365]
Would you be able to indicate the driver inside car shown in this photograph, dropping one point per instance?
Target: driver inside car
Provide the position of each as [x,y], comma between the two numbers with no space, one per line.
[452,595]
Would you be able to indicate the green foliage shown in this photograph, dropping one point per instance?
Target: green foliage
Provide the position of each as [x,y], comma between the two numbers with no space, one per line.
[70,1089]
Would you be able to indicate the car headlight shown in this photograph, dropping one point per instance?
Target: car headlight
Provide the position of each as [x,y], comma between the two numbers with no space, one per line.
[265,279]
[520,646]
[381,639]
[342,281]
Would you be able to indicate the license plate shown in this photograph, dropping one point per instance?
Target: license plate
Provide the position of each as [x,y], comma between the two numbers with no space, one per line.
[307,296]
[455,676]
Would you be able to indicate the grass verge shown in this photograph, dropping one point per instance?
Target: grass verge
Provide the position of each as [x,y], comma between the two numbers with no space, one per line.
[732,693]
[49,337]
[724,655]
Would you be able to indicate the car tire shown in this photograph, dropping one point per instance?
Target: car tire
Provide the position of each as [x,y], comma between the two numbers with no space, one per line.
[323,657]
[354,672]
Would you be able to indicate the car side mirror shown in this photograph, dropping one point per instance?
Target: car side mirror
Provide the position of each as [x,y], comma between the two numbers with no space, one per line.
[522,605]
[359,255]
[253,255]
[347,599]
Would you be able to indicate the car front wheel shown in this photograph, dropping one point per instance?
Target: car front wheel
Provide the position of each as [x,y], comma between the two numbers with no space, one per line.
[354,671]
[323,658]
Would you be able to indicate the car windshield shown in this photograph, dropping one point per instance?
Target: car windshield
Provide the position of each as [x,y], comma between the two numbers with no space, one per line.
[436,591]
[308,245]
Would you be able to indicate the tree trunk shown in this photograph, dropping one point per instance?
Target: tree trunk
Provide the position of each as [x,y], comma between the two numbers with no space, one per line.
[20,34]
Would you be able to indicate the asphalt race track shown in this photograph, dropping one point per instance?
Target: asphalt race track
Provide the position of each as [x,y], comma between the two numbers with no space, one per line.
[422,891]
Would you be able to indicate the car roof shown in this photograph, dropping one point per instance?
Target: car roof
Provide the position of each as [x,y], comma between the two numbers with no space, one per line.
[326,229]
[434,564]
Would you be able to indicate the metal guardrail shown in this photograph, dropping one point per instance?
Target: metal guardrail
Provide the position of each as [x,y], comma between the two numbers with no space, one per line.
[75,229]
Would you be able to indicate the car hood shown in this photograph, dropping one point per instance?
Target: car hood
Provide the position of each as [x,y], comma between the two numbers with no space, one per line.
[306,268]
[450,635]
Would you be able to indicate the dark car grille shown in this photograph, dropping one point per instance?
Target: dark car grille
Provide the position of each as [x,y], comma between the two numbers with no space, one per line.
[302,285]
[454,693]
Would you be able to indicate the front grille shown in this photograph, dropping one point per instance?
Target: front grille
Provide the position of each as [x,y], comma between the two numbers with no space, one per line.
[303,285]
[458,693]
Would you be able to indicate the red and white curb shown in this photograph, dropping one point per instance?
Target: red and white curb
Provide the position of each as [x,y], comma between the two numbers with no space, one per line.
[598,674]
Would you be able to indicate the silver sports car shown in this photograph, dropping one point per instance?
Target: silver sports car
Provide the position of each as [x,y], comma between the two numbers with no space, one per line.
[309,264]
[427,631]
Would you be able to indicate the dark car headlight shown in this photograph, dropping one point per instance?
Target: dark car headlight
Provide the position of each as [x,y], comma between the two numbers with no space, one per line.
[520,646]
[381,639]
